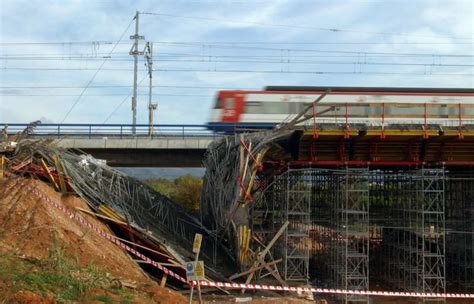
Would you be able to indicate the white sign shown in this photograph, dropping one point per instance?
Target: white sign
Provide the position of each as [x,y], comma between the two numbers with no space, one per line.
[195,271]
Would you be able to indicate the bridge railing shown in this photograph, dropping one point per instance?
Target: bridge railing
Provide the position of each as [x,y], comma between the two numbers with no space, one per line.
[113,130]
[49,130]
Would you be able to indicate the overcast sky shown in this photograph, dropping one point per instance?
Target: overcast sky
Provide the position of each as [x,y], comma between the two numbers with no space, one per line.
[201,46]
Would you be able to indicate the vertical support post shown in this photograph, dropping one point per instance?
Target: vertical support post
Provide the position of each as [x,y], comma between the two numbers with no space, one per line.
[151,106]
[135,53]
[196,250]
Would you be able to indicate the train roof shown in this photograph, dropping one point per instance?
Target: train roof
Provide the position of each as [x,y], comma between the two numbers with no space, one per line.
[369,89]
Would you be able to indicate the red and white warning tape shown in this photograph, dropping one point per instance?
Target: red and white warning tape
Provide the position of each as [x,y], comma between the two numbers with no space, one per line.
[106,235]
[335,291]
[226,285]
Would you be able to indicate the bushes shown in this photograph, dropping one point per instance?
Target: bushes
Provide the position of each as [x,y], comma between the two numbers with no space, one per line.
[184,190]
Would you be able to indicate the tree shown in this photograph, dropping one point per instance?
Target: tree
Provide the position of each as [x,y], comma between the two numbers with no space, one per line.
[184,190]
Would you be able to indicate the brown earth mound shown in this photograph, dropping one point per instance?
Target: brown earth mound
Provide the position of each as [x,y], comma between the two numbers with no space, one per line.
[32,228]
[29,226]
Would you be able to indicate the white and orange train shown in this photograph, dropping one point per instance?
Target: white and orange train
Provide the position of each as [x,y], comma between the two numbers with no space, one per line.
[350,105]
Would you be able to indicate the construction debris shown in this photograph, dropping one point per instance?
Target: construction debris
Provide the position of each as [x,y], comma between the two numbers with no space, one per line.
[152,223]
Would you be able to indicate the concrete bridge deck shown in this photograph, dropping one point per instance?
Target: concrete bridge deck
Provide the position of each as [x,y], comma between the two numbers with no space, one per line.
[143,152]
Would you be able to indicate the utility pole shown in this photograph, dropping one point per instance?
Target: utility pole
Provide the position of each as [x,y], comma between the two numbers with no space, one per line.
[134,51]
[151,106]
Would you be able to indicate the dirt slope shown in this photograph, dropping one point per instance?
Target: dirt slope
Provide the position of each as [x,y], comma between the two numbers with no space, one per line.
[32,228]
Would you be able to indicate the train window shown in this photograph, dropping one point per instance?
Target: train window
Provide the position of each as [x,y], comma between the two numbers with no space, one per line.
[253,107]
[276,108]
[294,107]
[229,103]
[467,111]
[218,103]
[404,111]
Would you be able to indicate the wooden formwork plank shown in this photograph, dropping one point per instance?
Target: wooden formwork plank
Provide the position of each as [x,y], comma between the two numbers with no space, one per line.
[49,175]
[60,170]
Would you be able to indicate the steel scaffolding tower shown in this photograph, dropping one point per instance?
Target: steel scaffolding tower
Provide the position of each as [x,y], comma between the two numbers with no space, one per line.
[406,228]
[287,198]
[414,232]
[430,224]
[351,244]
[296,237]
[460,230]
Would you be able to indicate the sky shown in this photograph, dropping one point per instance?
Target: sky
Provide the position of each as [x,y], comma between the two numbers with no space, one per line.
[68,61]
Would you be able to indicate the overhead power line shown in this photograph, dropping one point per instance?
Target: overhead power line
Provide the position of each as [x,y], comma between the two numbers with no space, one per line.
[333,30]
[122,102]
[101,95]
[325,51]
[315,72]
[428,73]
[274,62]
[259,48]
[95,74]
[99,42]
[129,86]
[57,42]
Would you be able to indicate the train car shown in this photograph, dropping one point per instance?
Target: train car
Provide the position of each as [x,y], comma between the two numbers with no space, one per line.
[367,105]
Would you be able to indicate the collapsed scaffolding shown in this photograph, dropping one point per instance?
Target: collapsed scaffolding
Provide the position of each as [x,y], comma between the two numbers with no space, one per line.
[343,204]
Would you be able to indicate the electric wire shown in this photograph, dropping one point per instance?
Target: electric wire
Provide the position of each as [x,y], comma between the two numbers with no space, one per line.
[95,74]
[104,42]
[333,30]
[122,102]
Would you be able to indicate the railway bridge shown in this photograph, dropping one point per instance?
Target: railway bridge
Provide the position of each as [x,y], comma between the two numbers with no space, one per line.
[124,145]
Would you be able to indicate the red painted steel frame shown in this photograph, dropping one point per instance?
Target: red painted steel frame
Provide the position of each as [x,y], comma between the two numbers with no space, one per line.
[359,163]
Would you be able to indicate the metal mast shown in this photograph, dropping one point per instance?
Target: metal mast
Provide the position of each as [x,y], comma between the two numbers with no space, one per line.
[151,106]
[134,51]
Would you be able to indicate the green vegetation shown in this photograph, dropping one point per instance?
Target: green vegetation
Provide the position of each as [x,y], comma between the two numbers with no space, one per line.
[104,299]
[58,276]
[185,190]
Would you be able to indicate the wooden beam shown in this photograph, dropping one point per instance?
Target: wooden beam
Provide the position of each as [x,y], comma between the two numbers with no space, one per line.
[275,238]
[261,256]
[170,258]
[163,280]
[49,175]
[102,216]
[60,170]
[235,276]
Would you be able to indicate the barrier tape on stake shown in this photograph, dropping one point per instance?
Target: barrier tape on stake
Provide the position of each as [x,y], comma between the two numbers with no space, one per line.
[226,285]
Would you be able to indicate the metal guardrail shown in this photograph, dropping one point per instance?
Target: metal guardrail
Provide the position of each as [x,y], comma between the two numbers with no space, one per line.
[127,130]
